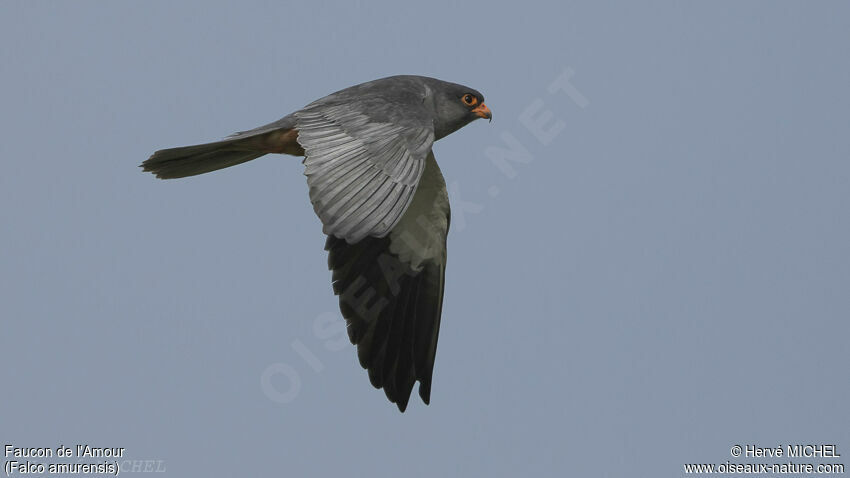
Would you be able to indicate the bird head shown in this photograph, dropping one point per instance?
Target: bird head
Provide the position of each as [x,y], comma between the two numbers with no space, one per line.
[454,106]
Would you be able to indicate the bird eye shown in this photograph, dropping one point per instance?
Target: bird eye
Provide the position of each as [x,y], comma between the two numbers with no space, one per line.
[469,100]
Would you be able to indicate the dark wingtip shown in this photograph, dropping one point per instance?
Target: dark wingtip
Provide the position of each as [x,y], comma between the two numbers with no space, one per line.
[425,392]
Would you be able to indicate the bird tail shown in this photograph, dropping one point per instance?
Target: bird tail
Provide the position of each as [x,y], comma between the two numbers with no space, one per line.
[198,159]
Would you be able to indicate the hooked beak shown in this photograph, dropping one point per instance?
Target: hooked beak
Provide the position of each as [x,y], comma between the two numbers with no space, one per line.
[482,111]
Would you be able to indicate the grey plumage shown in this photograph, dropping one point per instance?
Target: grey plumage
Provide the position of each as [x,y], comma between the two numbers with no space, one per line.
[235,149]
[393,300]
[362,174]
[376,187]
[202,158]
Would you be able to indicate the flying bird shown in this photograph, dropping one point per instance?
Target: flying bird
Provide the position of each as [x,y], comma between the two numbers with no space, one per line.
[376,187]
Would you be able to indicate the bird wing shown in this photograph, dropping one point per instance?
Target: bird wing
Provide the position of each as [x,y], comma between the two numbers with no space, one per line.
[391,291]
[362,173]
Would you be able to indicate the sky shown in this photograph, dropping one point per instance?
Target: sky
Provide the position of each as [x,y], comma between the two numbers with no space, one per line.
[657,270]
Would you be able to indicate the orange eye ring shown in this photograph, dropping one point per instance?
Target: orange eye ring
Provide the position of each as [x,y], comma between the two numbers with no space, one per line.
[469,99]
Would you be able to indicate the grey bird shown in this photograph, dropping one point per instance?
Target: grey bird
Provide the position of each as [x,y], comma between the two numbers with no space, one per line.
[382,201]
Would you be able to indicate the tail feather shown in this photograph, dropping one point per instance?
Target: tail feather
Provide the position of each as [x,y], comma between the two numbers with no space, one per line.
[276,137]
[198,159]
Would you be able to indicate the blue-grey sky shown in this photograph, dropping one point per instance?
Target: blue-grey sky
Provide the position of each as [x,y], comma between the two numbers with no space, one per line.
[665,274]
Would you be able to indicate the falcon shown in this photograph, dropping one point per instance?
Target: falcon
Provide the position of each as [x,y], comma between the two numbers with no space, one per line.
[376,187]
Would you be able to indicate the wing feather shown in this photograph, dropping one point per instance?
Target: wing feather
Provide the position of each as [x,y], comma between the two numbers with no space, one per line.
[362,174]
[391,295]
